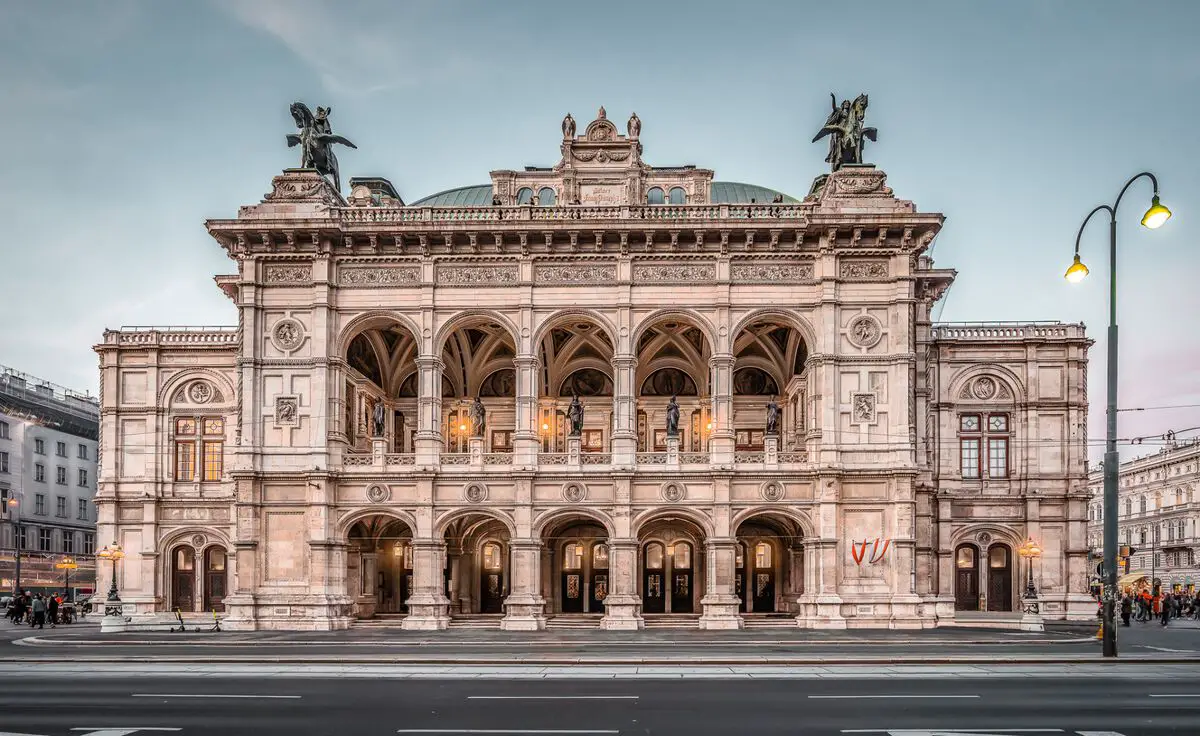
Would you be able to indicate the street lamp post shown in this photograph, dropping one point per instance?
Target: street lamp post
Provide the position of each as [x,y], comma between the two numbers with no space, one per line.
[12,506]
[1030,550]
[1153,219]
[112,606]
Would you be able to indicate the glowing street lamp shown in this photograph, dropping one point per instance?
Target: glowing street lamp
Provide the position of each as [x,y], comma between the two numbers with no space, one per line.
[113,553]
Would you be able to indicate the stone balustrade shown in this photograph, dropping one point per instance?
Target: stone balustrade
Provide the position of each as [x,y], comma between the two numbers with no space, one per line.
[987,331]
[367,461]
[574,213]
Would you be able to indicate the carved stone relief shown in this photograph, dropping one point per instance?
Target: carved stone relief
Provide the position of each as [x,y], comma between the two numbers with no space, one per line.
[862,408]
[378,276]
[475,492]
[864,331]
[984,388]
[673,492]
[378,493]
[287,274]
[772,490]
[863,269]
[574,492]
[575,273]
[200,392]
[674,272]
[287,411]
[477,275]
[770,272]
[287,334]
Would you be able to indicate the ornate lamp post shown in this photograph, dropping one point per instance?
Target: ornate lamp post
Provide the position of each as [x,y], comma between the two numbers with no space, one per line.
[1153,219]
[1030,550]
[12,506]
[112,606]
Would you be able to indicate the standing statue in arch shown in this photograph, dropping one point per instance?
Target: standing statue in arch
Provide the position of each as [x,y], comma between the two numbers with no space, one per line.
[316,141]
[377,419]
[846,132]
[575,414]
[478,416]
[672,418]
[772,417]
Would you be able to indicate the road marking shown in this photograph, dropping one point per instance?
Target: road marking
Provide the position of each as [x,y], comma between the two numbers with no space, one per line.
[1177,695]
[201,695]
[503,731]
[883,697]
[956,732]
[1173,651]
[552,697]
[120,730]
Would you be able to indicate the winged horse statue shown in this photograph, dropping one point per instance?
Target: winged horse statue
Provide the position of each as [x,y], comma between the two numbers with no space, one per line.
[316,141]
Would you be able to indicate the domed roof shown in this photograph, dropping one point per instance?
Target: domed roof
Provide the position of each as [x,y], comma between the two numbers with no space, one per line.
[723,192]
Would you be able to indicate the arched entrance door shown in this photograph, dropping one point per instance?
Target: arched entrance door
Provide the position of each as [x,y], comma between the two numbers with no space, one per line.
[966,578]
[491,581]
[681,577]
[764,578]
[599,587]
[772,549]
[183,578]
[672,569]
[654,582]
[214,579]
[1000,576]
[739,576]
[379,565]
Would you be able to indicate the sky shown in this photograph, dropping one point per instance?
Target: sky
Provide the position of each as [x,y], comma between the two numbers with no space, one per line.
[127,123]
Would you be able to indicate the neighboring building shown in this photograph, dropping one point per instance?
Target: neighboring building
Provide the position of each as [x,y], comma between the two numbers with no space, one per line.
[251,473]
[1158,515]
[48,465]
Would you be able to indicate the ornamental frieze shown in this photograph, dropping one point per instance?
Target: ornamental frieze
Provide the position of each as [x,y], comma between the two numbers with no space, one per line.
[770,272]
[476,275]
[877,269]
[673,272]
[289,274]
[379,276]
[575,273]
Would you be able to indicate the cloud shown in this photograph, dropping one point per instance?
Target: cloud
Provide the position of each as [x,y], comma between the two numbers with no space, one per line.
[357,49]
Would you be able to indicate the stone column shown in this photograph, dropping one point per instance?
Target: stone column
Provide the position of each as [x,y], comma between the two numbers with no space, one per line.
[821,606]
[721,388]
[525,437]
[524,608]
[623,606]
[624,433]
[428,607]
[429,410]
[720,603]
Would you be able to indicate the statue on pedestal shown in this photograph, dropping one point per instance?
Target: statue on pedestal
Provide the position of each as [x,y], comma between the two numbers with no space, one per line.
[672,418]
[316,141]
[634,127]
[478,416]
[568,127]
[377,418]
[772,417]
[844,126]
[575,414]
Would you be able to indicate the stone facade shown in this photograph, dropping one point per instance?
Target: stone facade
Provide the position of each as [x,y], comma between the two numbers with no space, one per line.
[350,475]
[1158,515]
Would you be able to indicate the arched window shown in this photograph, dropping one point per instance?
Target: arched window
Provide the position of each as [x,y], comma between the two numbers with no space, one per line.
[600,556]
[762,555]
[677,196]
[655,196]
[654,556]
[524,194]
[965,559]
[491,556]
[183,578]
[1142,505]
[1128,507]
[214,579]
[545,196]
[573,556]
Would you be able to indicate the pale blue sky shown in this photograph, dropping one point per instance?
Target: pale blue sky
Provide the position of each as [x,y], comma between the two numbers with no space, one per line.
[128,122]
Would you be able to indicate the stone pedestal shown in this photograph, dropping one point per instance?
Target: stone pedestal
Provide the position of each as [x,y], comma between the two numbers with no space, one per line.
[771,450]
[720,605]
[622,607]
[475,447]
[574,448]
[379,451]
[673,452]
[720,611]
[1031,614]
[428,607]
[822,611]
[524,608]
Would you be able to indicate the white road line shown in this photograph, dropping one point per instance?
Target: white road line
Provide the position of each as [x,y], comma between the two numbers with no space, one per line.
[1177,695]
[552,697]
[951,732]
[504,731]
[884,697]
[199,695]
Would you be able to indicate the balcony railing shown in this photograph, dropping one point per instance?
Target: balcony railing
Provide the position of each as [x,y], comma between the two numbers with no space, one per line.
[574,213]
[365,460]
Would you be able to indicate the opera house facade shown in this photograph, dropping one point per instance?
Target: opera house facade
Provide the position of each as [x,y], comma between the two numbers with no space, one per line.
[601,393]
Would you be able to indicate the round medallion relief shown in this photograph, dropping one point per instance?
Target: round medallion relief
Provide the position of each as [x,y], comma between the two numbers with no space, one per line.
[984,537]
[772,491]
[287,334]
[378,493]
[574,492]
[475,492]
[865,331]
[200,392]
[985,388]
[674,492]
[198,540]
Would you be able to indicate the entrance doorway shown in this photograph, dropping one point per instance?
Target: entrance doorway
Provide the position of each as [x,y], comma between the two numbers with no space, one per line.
[491,583]
[966,578]
[672,569]
[1000,572]
[763,593]
[183,579]
[214,579]
[680,555]
[770,563]
[654,572]
[379,565]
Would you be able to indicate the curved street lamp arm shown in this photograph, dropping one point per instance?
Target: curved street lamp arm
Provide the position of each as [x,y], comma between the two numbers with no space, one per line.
[1112,213]
[1153,180]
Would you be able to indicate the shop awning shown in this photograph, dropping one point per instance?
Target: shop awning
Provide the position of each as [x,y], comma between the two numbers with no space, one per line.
[1130,578]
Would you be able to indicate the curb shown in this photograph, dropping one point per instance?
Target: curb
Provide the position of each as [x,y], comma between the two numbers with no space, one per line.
[649,661]
[37,641]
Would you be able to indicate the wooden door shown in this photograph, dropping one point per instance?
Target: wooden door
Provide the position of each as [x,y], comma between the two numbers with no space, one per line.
[598,590]
[214,579]
[966,579]
[999,590]
[183,579]
[653,579]
[572,578]
[764,578]
[681,578]
[739,576]
[491,583]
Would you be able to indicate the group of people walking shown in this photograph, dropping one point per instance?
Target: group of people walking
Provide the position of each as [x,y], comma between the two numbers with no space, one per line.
[1145,606]
[37,610]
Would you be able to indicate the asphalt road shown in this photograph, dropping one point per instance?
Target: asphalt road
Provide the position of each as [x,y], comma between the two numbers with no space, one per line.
[929,706]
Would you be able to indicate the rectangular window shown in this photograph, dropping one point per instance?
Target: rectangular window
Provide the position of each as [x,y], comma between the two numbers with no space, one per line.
[998,457]
[43,540]
[60,475]
[68,544]
[3,430]
[39,473]
[22,537]
[214,456]
[39,504]
[60,507]
[89,543]
[969,451]
[185,460]
[83,479]
[3,462]
[83,452]
[39,446]
[82,513]
[60,449]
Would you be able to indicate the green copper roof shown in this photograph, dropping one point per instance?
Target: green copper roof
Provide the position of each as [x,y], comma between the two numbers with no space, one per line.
[723,192]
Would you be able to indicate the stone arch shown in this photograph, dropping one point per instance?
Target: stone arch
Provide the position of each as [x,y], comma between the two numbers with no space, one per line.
[691,316]
[967,535]
[173,537]
[347,522]
[174,382]
[799,517]
[178,537]
[441,524]
[562,316]
[465,318]
[369,320]
[786,316]
[640,522]
[1014,384]
[555,515]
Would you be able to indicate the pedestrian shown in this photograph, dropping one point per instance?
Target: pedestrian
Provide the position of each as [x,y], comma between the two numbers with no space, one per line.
[39,612]
[52,609]
[1126,609]
[1165,609]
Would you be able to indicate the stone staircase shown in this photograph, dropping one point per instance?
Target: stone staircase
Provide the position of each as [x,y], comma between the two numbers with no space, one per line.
[672,620]
[574,621]
[381,621]
[769,620]
[476,620]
